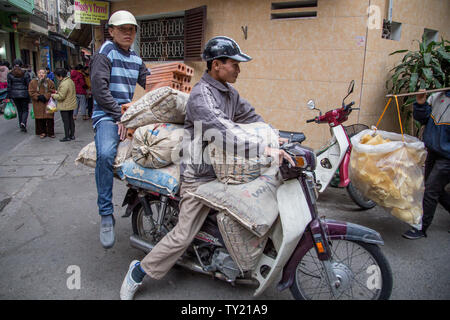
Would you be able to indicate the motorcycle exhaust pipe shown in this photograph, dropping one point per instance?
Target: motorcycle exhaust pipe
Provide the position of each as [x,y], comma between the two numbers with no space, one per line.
[138,243]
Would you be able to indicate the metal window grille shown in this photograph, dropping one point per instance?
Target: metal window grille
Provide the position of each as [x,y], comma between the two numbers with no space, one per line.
[162,39]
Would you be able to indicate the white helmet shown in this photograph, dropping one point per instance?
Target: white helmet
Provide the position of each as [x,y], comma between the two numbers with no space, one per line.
[122,17]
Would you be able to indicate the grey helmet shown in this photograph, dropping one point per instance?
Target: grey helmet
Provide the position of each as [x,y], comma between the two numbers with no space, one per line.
[224,47]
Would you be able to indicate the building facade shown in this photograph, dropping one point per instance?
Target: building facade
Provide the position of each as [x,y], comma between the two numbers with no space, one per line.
[301,50]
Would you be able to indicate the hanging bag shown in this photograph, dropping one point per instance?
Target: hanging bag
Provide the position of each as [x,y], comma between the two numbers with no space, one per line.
[10,111]
[388,168]
[51,106]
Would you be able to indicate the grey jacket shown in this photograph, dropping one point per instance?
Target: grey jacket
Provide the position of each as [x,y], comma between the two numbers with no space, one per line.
[217,106]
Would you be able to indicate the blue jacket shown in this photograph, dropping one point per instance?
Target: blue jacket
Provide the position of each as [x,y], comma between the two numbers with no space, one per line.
[435,114]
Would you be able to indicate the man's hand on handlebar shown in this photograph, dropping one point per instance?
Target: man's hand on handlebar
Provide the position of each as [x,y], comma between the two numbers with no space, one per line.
[278,154]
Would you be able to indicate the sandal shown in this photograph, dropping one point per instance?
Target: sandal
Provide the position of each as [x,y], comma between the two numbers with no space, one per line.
[43,135]
[52,136]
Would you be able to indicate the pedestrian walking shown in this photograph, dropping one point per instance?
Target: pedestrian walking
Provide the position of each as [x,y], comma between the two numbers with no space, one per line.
[80,85]
[18,81]
[435,114]
[66,103]
[90,100]
[3,75]
[40,91]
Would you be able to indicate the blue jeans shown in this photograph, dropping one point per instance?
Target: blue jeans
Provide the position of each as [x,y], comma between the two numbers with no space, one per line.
[106,142]
[81,105]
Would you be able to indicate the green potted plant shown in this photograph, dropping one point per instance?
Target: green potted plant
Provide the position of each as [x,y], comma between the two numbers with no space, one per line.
[428,68]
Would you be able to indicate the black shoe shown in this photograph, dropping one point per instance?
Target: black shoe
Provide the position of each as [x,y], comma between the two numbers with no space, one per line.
[23,128]
[65,139]
[72,138]
[414,234]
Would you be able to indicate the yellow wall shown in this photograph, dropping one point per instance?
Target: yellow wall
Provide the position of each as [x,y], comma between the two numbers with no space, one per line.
[298,60]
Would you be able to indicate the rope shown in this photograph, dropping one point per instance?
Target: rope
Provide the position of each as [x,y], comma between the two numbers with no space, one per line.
[398,113]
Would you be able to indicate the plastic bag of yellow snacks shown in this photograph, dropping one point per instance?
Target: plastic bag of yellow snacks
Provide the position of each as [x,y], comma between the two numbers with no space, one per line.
[389,171]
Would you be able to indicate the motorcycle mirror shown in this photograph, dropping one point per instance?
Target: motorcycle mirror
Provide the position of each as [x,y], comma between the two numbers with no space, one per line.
[351,87]
[311,105]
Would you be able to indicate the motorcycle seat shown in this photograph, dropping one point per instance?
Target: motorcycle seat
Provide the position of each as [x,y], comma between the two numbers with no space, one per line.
[293,136]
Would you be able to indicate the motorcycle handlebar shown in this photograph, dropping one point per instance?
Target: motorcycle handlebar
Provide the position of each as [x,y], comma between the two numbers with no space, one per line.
[349,105]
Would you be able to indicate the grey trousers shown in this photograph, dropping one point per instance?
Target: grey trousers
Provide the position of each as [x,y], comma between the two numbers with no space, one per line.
[191,217]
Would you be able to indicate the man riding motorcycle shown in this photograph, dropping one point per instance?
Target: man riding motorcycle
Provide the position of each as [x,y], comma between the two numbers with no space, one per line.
[213,104]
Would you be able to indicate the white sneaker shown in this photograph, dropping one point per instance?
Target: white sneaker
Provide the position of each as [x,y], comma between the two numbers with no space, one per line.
[129,286]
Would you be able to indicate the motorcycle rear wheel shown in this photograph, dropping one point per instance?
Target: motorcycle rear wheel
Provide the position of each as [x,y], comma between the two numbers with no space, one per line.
[362,269]
[359,199]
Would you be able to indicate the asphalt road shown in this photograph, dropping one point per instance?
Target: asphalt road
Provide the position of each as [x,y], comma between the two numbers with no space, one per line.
[49,231]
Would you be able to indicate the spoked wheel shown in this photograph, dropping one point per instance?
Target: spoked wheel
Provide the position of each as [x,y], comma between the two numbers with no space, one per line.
[362,271]
[359,198]
[147,228]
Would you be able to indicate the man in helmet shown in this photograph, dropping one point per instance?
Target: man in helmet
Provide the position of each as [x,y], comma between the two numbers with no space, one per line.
[213,104]
[115,71]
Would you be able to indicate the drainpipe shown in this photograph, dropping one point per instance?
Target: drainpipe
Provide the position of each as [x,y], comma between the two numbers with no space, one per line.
[391,5]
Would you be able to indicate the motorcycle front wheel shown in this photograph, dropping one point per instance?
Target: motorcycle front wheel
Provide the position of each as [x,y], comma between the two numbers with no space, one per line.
[362,271]
[359,199]
[146,226]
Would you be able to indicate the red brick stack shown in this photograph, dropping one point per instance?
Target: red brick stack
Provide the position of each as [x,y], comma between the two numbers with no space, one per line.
[176,75]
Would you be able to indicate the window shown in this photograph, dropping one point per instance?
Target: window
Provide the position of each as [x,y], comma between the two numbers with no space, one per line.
[162,39]
[284,10]
[431,35]
[173,38]
[392,30]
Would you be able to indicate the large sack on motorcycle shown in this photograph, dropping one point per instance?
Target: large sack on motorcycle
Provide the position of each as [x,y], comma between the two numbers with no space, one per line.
[158,106]
[253,204]
[234,167]
[88,155]
[157,145]
[390,172]
[244,247]
[164,180]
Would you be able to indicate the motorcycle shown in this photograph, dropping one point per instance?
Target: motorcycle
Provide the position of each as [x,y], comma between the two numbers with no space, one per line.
[318,258]
[334,157]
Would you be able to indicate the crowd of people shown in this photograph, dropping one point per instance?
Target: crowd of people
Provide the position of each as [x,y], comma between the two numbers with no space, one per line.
[69,90]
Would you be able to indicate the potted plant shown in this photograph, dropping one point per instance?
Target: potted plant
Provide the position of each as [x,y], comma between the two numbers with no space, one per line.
[428,68]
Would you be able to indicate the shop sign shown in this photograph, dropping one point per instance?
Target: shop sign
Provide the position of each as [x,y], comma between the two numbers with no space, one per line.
[91,12]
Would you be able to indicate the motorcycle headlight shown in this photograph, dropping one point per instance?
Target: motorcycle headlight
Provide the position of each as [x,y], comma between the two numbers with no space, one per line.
[303,157]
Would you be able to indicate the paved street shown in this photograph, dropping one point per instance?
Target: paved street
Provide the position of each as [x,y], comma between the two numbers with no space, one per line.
[49,222]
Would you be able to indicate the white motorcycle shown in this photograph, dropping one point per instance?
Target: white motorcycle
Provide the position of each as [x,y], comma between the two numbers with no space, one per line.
[333,158]
[317,258]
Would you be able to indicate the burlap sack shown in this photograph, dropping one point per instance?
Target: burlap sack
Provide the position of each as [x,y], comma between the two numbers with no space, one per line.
[155,145]
[244,247]
[88,155]
[234,167]
[158,106]
[252,204]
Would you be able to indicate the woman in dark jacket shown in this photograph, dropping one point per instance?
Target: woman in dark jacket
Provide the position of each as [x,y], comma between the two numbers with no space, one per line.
[18,81]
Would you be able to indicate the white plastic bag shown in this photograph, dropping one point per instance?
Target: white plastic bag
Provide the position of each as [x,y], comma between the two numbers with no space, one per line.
[389,171]
[51,106]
